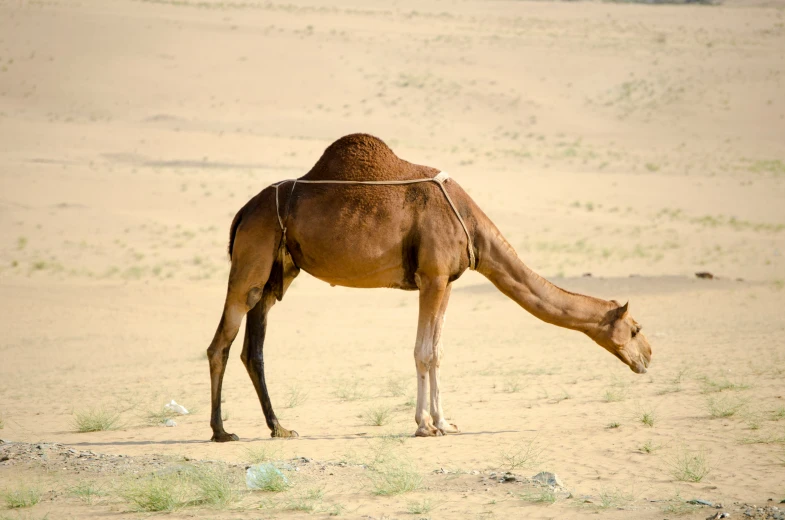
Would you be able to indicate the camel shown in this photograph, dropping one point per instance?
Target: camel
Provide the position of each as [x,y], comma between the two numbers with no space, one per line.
[408,227]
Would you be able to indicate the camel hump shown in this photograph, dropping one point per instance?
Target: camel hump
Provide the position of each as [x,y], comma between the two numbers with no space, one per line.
[363,157]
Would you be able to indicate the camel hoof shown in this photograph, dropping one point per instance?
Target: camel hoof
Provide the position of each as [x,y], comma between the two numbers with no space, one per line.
[450,429]
[429,431]
[283,433]
[224,437]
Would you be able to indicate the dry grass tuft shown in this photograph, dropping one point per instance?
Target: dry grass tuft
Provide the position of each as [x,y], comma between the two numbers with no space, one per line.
[21,496]
[295,396]
[521,455]
[689,466]
[394,478]
[724,406]
[95,420]
[544,495]
[377,416]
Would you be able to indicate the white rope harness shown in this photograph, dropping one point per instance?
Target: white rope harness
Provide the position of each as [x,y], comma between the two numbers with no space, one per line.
[439,179]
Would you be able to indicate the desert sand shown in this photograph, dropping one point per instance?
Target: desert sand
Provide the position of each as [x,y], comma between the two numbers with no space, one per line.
[637,143]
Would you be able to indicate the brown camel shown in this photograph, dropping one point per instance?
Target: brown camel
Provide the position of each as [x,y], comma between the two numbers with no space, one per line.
[413,236]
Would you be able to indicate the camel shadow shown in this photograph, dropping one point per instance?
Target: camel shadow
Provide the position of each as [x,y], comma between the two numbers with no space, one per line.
[348,437]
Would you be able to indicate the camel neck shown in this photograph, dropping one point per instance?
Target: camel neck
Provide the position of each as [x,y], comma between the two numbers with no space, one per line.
[499,263]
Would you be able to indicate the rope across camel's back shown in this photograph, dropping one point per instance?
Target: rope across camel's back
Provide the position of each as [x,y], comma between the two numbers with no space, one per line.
[363,159]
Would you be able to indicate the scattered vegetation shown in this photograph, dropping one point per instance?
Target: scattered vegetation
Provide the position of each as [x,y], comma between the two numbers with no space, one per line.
[724,406]
[95,420]
[649,447]
[181,487]
[394,478]
[678,506]
[161,415]
[295,396]
[768,439]
[720,385]
[689,466]
[615,394]
[511,385]
[614,498]
[214,486]
[544,495]
[613,425]
[522,455]
[349,390]
[422,507]
[377,416]
[87,491]
[396,387]
[262,453]
[645,415]
[21,496]
[617,391]
[155,493]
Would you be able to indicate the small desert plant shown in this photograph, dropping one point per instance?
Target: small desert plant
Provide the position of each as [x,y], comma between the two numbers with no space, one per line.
[768,439]
[689,466]
[648,418]
[614,498]
[295,396]
[213,486]
[776,415]
[724,406]
[394,478]
[156,492]
[396,387]
[544,495]
[615,394]
[410,402]
[720,385]
[521,455]
[649,447]
[377,416]
[2,423]
[86,491]
[511,385]
[161,415]
[422,507]
[613,425]
[349,390]
[678,506]
[95,420]
[262,453]
[22,496]
[646,415]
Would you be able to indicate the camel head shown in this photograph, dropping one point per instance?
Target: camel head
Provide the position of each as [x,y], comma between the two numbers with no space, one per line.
[621,335]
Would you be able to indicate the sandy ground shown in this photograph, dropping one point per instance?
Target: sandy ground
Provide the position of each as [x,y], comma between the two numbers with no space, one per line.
[637,143]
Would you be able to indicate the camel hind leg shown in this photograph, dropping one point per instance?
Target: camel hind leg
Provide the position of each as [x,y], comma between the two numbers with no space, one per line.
[253,347]
[249,274]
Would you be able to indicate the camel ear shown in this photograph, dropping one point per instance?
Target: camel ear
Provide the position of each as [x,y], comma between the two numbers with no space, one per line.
[622,311]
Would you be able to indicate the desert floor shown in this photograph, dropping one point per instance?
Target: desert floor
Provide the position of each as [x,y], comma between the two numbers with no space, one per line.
[637,143]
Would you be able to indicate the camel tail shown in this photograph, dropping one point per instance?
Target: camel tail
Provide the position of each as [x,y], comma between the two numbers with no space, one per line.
[233,231]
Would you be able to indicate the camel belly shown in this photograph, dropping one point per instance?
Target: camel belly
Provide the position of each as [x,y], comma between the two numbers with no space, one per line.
[351,260]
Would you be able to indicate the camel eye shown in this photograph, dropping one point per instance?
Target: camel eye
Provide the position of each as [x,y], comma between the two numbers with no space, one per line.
[634,332]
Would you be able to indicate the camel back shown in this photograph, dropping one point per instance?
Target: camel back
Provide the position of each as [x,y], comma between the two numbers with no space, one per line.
[363,157]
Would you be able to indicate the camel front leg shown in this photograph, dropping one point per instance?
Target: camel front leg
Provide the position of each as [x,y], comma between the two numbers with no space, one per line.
[434,292]
[437,413]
